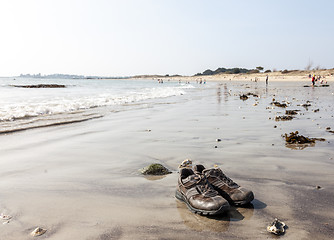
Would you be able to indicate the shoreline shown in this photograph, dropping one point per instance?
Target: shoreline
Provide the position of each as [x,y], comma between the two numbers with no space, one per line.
[297,75]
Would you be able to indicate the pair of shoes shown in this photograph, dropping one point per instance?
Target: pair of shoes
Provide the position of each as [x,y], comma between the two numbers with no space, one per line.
[209,191]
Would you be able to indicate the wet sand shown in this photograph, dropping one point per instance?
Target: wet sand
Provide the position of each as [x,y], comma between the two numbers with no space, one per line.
[81,181]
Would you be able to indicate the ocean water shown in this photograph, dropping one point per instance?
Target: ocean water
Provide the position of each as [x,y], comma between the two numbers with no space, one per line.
[82,99]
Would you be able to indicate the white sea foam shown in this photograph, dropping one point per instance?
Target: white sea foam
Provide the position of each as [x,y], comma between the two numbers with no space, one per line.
[37,105]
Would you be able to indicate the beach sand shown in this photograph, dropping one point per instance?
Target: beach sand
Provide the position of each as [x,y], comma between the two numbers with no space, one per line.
[81,181]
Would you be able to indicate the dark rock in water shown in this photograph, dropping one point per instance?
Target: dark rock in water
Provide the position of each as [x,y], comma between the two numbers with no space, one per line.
[283,118]
[40,86]
[291,112]
[243,97]
[294,138]
[316,110]
[322,85]
[318,187]
[155,169]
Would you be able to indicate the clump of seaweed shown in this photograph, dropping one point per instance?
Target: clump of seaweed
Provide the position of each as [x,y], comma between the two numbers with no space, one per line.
[306,105]
[283,118]
[278,104]
[243,97]
[328,129]
[252,94]
[294,138]
[291,112]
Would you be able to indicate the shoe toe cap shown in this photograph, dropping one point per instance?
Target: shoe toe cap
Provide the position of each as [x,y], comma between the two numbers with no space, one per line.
[243,194]
[209,204]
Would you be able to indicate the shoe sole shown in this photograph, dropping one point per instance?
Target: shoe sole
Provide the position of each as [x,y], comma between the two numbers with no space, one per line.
[182,198]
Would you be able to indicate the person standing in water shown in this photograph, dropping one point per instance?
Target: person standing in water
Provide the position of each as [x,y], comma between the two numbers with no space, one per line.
[267,80]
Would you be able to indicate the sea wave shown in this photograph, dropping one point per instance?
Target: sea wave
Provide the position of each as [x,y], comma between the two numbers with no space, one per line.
[31,108]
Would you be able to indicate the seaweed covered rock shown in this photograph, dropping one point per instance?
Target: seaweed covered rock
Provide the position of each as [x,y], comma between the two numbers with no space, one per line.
[155,169]
[294,138]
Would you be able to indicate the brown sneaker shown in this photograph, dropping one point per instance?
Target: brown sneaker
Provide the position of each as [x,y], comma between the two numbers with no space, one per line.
[198,194]
[231,191]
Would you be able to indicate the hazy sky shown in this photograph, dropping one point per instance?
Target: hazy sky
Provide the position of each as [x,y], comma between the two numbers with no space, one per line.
[129,37]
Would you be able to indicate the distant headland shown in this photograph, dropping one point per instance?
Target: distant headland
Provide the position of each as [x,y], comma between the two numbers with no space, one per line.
[67,76]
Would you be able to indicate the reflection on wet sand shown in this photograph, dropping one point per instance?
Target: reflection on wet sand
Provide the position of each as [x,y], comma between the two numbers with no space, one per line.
[201,223]
[154,177]
[218,94]
[218,223]
[299,146]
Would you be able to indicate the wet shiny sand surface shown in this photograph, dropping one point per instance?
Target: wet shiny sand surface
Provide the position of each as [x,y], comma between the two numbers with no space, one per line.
[81,181]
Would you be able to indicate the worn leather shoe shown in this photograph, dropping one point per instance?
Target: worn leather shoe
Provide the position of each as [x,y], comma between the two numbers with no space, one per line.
[198,194]
[225,186]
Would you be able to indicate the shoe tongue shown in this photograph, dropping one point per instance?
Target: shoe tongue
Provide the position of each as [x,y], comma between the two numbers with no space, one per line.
[216,172]
[194,178]
[213,171]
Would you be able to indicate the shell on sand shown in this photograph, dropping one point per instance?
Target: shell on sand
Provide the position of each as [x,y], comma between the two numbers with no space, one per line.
[5,217]
[187,163]
[277,227]
[38,232]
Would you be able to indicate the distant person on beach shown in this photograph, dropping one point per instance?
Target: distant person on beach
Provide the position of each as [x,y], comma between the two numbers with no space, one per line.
[313,80]
[267,79]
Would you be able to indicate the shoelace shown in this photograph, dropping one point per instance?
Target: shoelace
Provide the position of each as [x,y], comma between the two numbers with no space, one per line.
[203,186]
[226,179]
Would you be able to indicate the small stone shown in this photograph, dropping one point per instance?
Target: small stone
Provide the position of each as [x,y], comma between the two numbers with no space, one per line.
[218,140]
[216,147]
[318,187]
[5,217]
[275,126]
[38,232]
